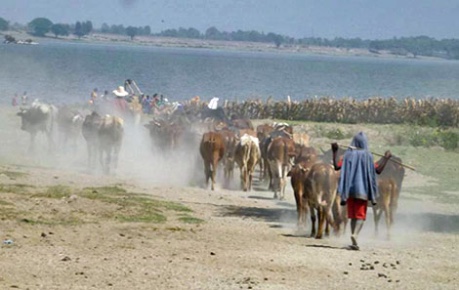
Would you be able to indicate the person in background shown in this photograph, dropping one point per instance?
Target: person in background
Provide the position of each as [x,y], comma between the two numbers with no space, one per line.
[24,99]
[146,104]
[105,96]
[357,184]
[14,101]
[120,103]
[154,104]
[135,108]
[93,98]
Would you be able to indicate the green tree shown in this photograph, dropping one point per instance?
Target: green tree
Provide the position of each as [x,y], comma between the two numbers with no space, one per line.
[40,26]
[4,25]
[132,31]
[276,38]
[193,33]
[105,28]
[60,29]
[78,29]
[117,29]
[212,33]
[147,30]
[86,27]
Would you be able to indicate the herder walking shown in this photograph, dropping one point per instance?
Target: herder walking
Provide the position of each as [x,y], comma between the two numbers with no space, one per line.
[357,185]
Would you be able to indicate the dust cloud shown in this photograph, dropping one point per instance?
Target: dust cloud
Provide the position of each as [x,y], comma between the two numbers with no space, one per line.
[139,160]
[143,163]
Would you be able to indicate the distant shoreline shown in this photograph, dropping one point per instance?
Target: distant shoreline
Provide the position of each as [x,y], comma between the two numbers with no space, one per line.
[170,42]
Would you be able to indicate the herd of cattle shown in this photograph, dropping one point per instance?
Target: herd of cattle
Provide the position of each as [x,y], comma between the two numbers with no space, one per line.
[277,150]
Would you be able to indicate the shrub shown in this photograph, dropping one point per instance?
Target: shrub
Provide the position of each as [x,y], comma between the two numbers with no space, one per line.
[337,134]
[449,140]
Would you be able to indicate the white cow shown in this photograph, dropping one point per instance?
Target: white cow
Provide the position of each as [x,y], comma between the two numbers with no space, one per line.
[247,155]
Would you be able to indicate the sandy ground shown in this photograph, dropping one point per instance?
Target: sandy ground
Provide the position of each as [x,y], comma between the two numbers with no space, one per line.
[246,240]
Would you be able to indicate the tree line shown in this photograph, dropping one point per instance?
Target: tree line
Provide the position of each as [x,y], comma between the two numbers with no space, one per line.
[407,46]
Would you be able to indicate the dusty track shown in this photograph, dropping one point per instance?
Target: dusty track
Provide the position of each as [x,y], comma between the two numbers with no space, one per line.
[246,240]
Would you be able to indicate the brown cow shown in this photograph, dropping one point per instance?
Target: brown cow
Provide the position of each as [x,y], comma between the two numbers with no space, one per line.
[283,127]
[247,155]
[69,123]
[39,117]
[230,139]
[320,192]
[389,187]
[103,136]
[110,134]
[249,132]
[298,175]
[280,153]
[280,131]
[301,139]
[304,152]
[242,124]
[263,132]
[165,135]
[212,150]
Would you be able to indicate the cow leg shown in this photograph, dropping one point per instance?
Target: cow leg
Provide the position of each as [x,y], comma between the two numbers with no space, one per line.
[387,218]
[261,170]
[299,208]
[393,204]
[270,174]
[32,143]
[313,221]
[116,156]
[108,161]
[242,176]
[214,172]
[331,221]
[51,146]
[207,172]
[225,165]
[376,217]
[266,171]
[273,177]
[104,156]
[321,222]
[89,147]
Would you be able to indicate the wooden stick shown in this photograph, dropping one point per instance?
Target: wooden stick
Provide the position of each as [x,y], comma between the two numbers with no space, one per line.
[381,155]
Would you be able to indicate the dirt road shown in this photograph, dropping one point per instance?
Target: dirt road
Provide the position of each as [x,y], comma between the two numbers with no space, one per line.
[245,241]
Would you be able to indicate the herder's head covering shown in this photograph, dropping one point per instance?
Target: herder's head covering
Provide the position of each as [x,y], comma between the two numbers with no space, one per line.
[120,92]
[358,174]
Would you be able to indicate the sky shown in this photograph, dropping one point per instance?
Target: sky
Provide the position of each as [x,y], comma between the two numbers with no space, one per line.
[367,19]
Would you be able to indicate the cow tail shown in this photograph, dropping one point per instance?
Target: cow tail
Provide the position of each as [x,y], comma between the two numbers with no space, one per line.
[212,146]
[286,156]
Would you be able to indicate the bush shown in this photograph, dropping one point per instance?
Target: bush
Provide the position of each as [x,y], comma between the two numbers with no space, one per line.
[425,138]
[421,139]
[337,134]
[449,140]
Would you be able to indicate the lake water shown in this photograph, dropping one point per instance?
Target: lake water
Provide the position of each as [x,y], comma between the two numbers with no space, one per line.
[67,72]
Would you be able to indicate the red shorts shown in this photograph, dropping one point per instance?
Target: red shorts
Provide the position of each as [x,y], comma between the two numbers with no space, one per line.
[357,208]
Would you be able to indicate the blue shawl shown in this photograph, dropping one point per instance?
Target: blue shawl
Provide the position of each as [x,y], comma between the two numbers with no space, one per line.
[358,174]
